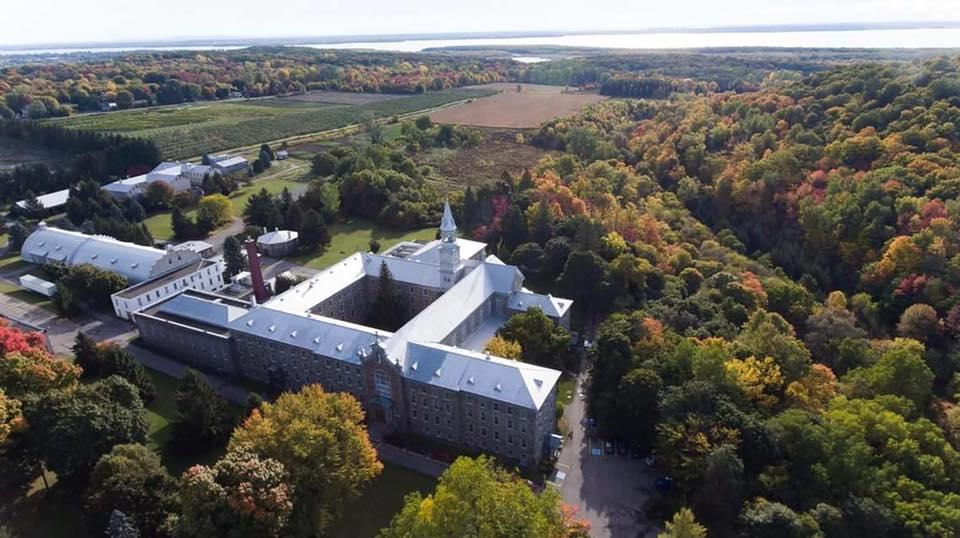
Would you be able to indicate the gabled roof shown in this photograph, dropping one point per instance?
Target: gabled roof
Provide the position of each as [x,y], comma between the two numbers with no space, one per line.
[514,382]
[525,299]
[53,199]
[322,335]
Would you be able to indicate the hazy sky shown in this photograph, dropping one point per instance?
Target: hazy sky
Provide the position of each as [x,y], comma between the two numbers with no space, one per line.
[58,21]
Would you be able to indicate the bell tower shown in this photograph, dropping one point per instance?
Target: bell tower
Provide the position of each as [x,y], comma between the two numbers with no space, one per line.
[449,249]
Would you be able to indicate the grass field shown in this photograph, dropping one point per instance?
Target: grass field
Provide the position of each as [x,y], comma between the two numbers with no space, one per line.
[289,176]
[528,108]
[189,130]
[497,152]
[381,500]
[354,236]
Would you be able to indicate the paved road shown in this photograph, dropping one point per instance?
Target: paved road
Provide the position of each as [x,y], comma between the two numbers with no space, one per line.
[610,491]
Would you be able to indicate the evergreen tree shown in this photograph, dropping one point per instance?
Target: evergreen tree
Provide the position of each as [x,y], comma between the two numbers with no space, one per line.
[470,210]
[286,200]
[134,211]
[514,229]
[17,235]
[541,227]
[121,526]
[233,256]
[386,312]
[115,360]
[86,355]
[314,233]
[262,210]
[202,414]
[294,218]
[183,227]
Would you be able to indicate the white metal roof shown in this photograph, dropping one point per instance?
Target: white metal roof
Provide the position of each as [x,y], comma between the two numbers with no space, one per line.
[322,335]
[277,237]
[136,262]
[525,299]
[447,224]
[53,199]
[125,185]
[201,309]
[514,382]
[194,246]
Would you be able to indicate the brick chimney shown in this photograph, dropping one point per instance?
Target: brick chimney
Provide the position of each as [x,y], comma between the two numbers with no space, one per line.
[256,273]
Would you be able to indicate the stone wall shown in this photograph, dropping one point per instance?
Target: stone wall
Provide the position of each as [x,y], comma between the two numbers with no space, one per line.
[201,349]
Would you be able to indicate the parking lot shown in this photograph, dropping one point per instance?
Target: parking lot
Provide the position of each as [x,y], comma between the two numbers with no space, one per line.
[610,490]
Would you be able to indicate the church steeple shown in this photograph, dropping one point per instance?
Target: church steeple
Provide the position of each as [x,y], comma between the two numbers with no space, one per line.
[448,227]
[449,249]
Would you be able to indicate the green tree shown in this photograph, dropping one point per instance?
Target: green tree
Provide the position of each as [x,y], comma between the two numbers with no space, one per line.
[767,334]
[115,360]
[72,429]
[131,478]
[582,276]
[233,256]
[387,311]
[901,370]
[17,235]
[541,225]
[323,164]
[683,525]
[314,234]
[475,497]
[319,438]
[85,354]
[919,321]
[203,417]
[294,218]
[262,210]
[183,227]
[543,342]
[513,229]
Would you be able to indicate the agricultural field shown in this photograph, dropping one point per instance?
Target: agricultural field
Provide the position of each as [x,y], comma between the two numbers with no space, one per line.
[190,130]
[525,109]
[344,98]
[497,152]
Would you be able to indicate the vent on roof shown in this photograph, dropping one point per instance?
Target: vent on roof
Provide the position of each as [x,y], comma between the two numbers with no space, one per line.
[316,340]
[438,372]
[249,323]
[538,382]
[472,380]
[272,328]
[339,347]
[134,265]
[58,247]
[521,304]
[414,366]
[115,260]
[498,387]
[95,254]
[293,334]
[41,243]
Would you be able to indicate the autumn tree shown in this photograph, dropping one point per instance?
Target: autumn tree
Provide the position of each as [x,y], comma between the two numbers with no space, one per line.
[320,440]
[501,347]
[241,496]
[683,525]
[475,497]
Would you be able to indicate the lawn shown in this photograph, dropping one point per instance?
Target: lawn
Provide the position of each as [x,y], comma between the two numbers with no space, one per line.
[566,387]
[354,236]
[382,499]
[290,176]
[189,130]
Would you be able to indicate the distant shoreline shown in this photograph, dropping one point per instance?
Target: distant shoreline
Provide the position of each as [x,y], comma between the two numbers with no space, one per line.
[238,42]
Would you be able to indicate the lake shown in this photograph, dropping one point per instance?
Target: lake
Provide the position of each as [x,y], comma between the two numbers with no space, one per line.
[867,38]
[872,38]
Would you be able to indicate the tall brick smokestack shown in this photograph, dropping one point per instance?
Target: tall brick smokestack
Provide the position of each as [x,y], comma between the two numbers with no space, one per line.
[256,273]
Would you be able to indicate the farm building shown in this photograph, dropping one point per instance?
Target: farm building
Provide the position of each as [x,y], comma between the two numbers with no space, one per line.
[278,243]
[154,273]
[51,202]
[430,377]
[200,247]
[228,164]
[170,173]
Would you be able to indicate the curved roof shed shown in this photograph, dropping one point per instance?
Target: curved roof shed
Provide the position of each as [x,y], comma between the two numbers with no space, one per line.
[136,262]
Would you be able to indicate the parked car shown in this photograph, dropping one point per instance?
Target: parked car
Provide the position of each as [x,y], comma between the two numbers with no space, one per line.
[608,447]
[636,453]
[622,448]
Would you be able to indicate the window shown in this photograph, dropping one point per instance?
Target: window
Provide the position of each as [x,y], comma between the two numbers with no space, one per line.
[382,385]
[496,435]
[483,432]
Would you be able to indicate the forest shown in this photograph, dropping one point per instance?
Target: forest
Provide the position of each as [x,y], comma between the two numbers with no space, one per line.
[775,277]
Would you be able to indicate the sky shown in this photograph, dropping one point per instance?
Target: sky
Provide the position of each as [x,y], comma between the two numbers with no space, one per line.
[70,21]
